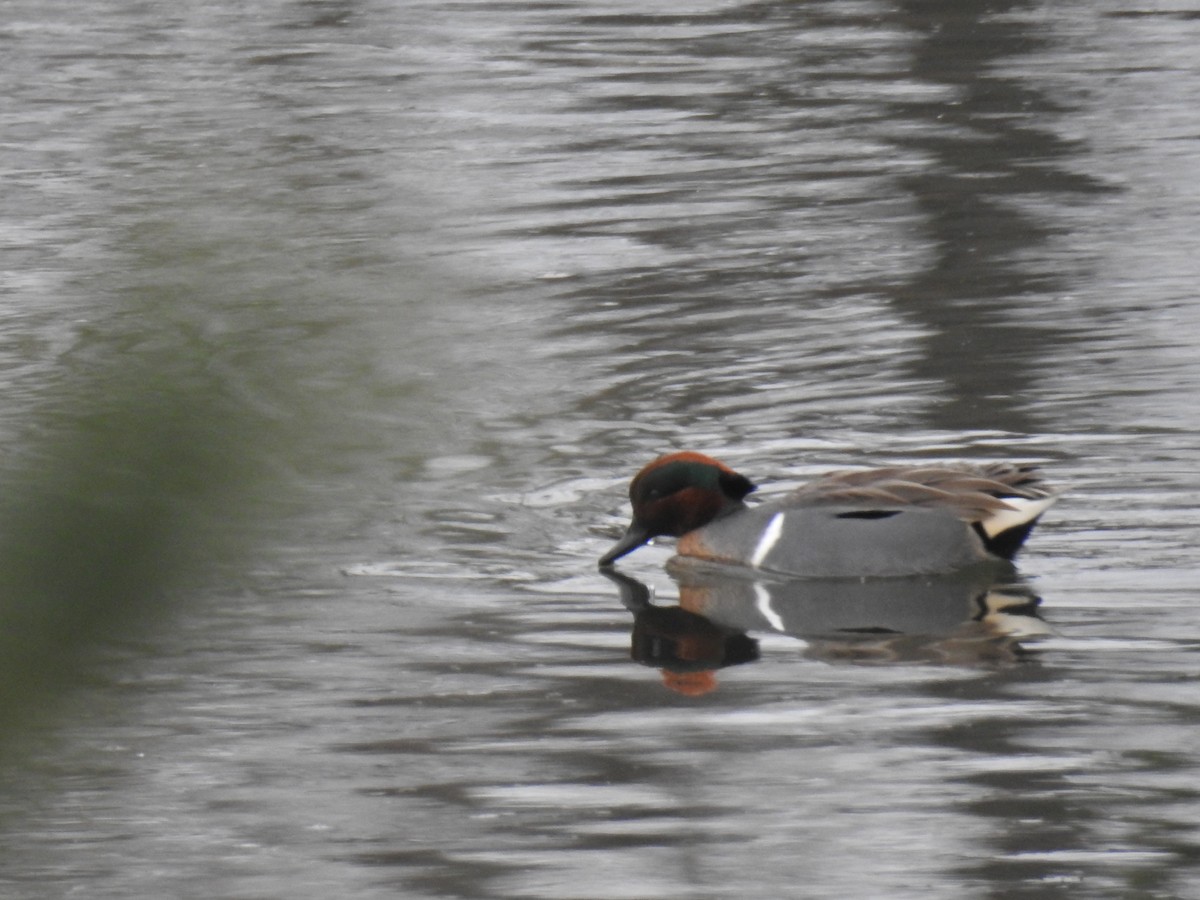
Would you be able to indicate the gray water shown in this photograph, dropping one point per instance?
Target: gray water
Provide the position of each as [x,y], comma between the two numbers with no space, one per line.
[430,281]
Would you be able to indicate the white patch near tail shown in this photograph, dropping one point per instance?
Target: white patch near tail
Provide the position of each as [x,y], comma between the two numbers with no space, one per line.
[1020,511]
[769,538]
[1023,626]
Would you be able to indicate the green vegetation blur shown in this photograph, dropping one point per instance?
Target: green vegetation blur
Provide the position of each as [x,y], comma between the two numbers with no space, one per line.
[210,373]
[139,484]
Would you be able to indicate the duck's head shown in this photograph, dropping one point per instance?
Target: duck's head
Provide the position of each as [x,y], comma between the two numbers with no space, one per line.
[678,493]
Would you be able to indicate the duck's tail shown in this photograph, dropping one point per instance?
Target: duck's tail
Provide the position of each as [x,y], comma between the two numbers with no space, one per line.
[1005,530]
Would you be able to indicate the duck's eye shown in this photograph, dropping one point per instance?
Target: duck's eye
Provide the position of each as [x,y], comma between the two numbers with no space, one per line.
[663,483]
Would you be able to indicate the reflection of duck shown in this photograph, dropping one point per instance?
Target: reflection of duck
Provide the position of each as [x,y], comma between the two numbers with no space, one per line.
[977,616]
[875,522]
[685,645]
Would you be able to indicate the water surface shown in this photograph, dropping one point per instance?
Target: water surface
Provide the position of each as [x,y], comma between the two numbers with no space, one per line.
[443,277]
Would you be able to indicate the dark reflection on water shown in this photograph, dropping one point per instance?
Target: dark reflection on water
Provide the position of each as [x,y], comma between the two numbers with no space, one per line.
[931,284]
[992,310]
[924,270]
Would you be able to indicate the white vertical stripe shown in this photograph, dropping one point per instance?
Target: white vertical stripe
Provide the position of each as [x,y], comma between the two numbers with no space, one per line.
[770,537]
[762,600]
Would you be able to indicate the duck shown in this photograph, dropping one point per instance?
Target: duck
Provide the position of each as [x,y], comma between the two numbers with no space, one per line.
[877,522]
